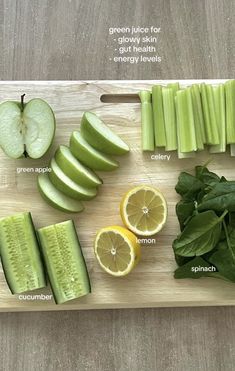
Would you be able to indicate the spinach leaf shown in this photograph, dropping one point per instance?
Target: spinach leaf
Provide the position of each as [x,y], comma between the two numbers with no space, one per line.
[195,268]
[184,209]
[200,235]
[207,177]
[231,220]
[188,186]
[221,197]
[181,260]
[223,179]
[224,261]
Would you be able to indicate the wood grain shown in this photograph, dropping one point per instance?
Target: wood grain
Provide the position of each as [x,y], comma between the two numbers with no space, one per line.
[151,284]
[64,39]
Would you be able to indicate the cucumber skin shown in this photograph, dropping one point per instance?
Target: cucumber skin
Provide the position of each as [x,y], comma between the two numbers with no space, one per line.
[41,265]
[46,262]
[97,140]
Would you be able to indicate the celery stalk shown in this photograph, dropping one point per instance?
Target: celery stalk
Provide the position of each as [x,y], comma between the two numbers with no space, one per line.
[232,150]
[230,113]
[198,117]
[181,155]
[158,116]
[170,118]
[212,133]
[219,101]
[147,121]
[185,122]
[174,85]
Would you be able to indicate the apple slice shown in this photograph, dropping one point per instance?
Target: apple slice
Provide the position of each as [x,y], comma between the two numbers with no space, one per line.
[55,198]
[100,136]
[26,129]
[74,169]
[90,156]
[67,186]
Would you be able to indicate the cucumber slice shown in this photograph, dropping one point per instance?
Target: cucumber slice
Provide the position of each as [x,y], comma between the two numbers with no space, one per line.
[64,260]
[28,131]
[74,169]
[100,136]
[20,254]
[90,156]
[67,186]
[55,198]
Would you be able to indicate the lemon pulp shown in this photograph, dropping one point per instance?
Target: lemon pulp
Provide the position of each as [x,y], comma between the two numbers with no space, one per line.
[144,210]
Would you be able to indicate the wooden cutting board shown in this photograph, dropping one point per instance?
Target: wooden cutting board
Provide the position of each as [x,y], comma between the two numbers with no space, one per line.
[152,283]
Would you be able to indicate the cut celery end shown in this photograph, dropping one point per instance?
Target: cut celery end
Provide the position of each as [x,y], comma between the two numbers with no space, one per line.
[182,155]
[232,150]
[175,86]
[219,101]
[185,122]
[170,119]
[212,133]
[147,121]
[158,116]
[230,110]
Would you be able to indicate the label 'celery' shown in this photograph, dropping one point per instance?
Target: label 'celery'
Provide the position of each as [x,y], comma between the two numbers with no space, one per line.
[147,121]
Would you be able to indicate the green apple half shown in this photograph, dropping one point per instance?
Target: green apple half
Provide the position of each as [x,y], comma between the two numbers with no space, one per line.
[26,129]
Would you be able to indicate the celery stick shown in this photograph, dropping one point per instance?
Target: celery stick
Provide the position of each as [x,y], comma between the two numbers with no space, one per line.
[198,116]
[230,112]
[232,150]
[181,155]
[212,133]
[147,121]
[175,86]
[170,118]
[185,122]
[158,116]
[219,102]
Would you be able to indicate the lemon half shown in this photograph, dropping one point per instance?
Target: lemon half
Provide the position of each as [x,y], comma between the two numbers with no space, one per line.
[144,210]
[117,250]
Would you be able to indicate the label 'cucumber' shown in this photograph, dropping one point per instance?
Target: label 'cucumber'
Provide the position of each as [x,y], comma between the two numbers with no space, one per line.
[64,261]
[20,254]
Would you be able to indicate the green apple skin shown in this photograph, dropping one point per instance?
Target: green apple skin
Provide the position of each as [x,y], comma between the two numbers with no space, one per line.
[74,169]
[100,136]
[67,186]
[89,156]
[26,129]
[55,198]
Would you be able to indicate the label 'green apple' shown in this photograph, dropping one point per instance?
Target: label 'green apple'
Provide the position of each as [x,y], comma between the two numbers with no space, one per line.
[26,129]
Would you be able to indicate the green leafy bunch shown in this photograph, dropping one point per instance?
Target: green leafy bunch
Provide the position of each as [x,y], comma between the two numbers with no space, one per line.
[206,214]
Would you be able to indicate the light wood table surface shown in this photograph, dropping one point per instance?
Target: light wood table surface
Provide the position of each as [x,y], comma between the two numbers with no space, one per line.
[68,39]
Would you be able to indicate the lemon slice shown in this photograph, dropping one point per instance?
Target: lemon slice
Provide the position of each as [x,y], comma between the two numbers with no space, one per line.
[117,250]
[144,210]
